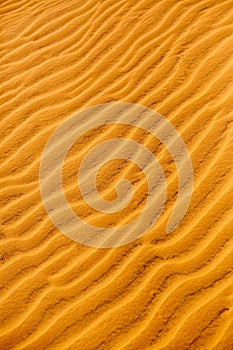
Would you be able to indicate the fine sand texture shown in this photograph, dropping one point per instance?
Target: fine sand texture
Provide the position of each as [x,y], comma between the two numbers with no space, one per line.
[162,291]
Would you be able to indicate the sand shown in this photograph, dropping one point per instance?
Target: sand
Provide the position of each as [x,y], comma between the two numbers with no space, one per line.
[161,291]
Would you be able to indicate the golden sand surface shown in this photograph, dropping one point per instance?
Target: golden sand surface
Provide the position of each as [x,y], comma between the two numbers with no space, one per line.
[161,291]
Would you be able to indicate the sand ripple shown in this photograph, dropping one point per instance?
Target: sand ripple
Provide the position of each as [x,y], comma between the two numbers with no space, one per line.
[162,291]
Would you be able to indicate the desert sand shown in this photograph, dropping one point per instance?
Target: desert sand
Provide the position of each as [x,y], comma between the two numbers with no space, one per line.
[161,291]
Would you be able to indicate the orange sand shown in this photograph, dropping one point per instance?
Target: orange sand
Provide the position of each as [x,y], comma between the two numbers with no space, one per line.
[162,291]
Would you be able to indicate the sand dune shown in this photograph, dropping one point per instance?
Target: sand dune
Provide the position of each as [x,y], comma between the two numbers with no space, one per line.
[162,291]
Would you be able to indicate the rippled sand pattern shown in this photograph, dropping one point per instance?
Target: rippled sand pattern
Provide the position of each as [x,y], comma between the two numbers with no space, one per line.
[162,291]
